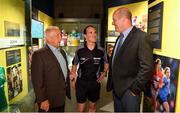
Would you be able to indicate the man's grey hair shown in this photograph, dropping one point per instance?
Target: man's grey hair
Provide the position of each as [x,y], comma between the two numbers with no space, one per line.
[49,29]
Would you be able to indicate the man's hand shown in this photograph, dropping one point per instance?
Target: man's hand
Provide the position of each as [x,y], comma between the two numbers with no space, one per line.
[72,79]
[72,75]
[44,105]
[72,83]
[101,77]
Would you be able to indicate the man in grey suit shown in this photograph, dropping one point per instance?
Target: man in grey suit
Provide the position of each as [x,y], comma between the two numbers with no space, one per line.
[131,64]
[50,74]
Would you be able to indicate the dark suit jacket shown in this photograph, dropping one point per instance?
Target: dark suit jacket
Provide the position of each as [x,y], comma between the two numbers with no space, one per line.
[133,65]
[48,79]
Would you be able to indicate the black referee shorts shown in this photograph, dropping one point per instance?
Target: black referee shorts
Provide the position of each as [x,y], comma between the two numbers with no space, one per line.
[87,90]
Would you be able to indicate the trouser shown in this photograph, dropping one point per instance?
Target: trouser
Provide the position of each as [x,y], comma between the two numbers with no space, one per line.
[127,102]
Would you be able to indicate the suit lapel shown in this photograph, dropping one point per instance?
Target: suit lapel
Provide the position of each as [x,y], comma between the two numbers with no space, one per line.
[113,51]
[53,57]
[128,39]
[64,55]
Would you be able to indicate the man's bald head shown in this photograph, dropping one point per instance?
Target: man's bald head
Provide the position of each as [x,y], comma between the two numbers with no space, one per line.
[123,12]
[122,19]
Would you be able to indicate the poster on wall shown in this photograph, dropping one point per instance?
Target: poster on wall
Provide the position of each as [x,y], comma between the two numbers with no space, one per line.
[14,79]
[161,90]
[139,12]
[155,19]
[140,21]
[11,29]
[13,57]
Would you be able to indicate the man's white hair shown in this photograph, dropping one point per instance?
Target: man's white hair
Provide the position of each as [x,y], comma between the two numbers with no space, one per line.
[49,29]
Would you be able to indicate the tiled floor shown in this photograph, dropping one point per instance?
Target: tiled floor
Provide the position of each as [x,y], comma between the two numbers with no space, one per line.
[27,104]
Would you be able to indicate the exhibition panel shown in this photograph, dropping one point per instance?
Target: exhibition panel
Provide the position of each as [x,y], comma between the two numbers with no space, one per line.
[13,50]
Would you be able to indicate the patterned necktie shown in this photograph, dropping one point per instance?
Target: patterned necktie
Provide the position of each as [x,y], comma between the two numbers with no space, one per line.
[118,46]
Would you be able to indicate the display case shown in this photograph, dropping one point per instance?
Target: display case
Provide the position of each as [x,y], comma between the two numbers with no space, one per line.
[72,33]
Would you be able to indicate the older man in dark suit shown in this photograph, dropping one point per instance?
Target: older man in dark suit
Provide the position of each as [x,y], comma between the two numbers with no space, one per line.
[50,73]
[131,63]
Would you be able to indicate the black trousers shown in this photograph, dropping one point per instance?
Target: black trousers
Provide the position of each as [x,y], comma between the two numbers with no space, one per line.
[126,103]
[55,109]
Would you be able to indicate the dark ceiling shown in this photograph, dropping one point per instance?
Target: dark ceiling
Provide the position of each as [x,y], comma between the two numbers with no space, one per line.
[112,3]
[47,6]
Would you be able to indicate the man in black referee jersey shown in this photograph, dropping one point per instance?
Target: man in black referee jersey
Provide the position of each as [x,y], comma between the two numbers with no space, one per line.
[93,64]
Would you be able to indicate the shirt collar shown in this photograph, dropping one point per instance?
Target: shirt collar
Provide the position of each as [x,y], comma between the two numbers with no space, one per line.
[85,45]
[127,31]
[52,47]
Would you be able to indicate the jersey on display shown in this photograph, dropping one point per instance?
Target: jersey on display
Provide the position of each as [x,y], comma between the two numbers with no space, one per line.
[3,102]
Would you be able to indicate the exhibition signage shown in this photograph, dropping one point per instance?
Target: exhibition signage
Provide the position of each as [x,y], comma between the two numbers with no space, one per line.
[10,42]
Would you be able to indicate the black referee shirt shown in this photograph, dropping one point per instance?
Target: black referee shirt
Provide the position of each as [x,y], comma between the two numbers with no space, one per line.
[91,62]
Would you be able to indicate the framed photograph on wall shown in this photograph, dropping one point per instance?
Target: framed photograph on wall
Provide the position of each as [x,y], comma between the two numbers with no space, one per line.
[14,79]
[13,57]
[161,90]
[113,33]
[11,29]
[109,48]
[155,20]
